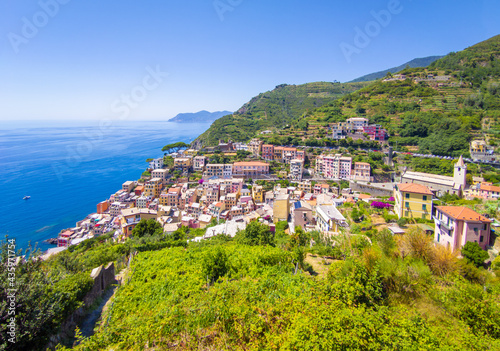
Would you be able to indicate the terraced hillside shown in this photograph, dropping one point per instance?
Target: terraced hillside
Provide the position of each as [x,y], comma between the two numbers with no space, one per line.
[274,110]
[437,109]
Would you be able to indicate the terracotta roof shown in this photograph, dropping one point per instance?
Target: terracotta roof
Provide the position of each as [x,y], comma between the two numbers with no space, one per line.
[463,213]
[325,185]
[364,196]
[489,187]
[362,163]
[414,188]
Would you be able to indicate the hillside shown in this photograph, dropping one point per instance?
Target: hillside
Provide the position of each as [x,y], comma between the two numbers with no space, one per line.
[274,109]
[397,294]
[436,110]
[417,62]
[199,117]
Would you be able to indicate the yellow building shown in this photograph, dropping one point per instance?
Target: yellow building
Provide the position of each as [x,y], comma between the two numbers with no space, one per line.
[153,187]
[281,208]
[258,193]
[132,216]
[305,186]
[190,152]
[413,201]
[183,164]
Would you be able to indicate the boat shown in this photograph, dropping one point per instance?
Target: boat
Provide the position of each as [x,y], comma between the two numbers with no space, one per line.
[26,197]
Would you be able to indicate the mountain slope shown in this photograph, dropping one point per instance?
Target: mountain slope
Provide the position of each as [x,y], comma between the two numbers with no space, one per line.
[436,115]
[274,109]
[418,62]
[199,117]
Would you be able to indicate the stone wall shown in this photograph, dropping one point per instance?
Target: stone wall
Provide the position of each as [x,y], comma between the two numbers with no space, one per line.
[103,277]
[373,189]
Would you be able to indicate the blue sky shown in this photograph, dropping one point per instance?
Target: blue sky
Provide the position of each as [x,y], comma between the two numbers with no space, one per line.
[84,59]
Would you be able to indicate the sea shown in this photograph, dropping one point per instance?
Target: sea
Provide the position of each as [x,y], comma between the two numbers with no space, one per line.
[67,167]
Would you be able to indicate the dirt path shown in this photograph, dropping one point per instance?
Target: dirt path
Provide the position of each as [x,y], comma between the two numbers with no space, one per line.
[88,324]
[319,264]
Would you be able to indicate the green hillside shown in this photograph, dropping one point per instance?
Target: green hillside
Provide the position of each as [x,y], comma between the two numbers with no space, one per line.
[274,110]
[423,113]
[397,294]
[418,62]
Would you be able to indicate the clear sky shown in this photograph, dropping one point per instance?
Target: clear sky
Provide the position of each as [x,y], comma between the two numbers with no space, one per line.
[151,59]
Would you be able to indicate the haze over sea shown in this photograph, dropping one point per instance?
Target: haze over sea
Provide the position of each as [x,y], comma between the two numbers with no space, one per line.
[68,167]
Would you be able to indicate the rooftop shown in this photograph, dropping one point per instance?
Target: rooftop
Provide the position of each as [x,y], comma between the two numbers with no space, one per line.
[490,187]
[331,212]
[414,188]
[463,213]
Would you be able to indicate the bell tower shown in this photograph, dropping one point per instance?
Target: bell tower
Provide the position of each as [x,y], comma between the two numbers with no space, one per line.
[459,173]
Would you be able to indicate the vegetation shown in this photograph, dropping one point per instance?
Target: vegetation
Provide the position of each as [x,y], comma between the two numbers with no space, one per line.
[473,253]
[395,293]
[274,109]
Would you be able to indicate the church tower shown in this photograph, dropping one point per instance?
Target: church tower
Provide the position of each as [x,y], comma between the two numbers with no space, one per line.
[459,173]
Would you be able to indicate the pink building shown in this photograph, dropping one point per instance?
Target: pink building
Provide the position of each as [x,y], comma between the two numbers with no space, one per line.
[268,152]
[489,191]
[362,171]
[376,132]
[250,169]
[457,225]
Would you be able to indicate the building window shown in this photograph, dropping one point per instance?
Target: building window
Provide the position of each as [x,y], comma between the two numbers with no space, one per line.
[424,207]
[481,239]
[407,204]
[424,197]
[407,195]
[407,213]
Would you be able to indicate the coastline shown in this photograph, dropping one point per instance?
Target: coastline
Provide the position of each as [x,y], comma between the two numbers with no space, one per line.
[30,160]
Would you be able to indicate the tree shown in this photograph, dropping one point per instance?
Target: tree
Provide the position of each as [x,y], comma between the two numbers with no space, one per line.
[256,234]
[174,147]
[355,215]
[473,253]
[147,227]
[215,264]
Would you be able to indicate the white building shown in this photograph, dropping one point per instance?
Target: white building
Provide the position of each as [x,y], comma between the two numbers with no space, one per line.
[157,163]
[240,146]
[357,123]
[329,219]
[199,163]
[142,202]
[227,172]
[296,169]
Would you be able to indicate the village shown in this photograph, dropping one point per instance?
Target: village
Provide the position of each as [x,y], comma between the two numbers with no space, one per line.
[221,189]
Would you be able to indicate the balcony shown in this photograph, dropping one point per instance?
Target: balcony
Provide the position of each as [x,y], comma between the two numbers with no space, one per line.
[449,227]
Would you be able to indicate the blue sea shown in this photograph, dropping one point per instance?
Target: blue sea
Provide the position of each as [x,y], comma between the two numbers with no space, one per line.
[68,167]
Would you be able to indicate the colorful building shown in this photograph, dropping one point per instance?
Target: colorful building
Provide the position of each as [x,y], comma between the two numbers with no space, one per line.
[362,171]
[296,169]
[456,225]
[412,201]
[268,152]
[250,169]
[281,208]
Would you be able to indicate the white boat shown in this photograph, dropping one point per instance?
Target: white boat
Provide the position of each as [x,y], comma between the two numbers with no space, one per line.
[26,197]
